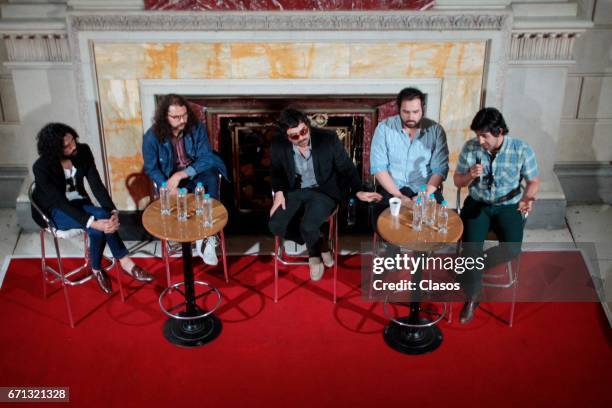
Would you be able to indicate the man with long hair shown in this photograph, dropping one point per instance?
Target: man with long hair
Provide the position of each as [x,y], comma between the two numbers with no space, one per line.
[408,151]
[493,165]
[176,151]
[59,174]
[308,167]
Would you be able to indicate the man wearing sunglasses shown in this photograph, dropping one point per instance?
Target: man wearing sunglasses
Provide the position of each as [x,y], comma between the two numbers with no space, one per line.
[176,151]
[493,165]
[309,168]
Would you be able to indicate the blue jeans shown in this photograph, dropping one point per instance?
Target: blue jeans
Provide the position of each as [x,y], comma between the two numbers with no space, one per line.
[209,179]
[97,239]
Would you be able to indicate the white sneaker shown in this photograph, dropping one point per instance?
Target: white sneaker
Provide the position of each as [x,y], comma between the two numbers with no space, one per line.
[316,268]
[327,258]
[210,254]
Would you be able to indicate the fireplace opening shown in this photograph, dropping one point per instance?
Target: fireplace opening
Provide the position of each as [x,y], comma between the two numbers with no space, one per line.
[241,130]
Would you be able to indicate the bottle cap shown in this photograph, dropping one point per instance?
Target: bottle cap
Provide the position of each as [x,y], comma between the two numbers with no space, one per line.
[183,191]
[164,184]
[444,202]
[206,195]
[418,200]
[423,187]
[432,195]
[351,200]
[199,184]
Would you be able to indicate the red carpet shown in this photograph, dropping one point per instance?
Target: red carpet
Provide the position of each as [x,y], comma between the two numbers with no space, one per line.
[303,351]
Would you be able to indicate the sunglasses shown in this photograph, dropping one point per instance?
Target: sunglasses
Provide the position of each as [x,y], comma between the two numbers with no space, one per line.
[296,136]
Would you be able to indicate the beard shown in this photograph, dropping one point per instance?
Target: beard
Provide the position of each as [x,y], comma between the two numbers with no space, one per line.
[411,124]
[70,156]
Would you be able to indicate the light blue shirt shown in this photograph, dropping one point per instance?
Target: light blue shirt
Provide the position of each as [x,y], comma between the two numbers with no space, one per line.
[410,163]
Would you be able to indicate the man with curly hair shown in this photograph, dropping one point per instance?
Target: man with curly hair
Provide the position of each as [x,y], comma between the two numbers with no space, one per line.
[59,174]
[176,151]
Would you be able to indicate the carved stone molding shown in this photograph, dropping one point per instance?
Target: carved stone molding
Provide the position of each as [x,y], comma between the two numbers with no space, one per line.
[300,21]
[37,47]
[542,46]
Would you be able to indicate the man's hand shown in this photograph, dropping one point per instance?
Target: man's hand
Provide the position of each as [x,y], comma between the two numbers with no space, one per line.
[174,181]
[368,197]
[476,171]
[279,201]
[106,226]
[526,205]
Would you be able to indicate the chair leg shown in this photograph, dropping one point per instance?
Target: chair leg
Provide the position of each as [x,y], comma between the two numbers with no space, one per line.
[335,244]
[223,255]
[164,245]
[276,244]
[43,262]
[374,252]
[514,280]
[63,279]
[119,280]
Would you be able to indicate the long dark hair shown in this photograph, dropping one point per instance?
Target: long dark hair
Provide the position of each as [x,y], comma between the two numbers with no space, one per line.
[161,127]
[50,140]
[489,120]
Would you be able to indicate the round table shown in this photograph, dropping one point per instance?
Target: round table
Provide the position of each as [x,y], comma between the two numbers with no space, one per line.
[415,334]
[193,326]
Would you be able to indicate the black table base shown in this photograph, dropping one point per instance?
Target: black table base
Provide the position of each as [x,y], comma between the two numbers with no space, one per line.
[192,333]
[411,340]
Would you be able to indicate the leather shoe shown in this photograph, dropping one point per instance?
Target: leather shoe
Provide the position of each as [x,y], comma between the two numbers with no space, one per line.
[467,313]
[139,274]
[103,281]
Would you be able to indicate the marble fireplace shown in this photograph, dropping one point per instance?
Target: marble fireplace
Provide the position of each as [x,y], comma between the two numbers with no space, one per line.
[338,62]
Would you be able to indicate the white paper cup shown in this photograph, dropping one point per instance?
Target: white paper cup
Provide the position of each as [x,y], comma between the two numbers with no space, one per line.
[394,206]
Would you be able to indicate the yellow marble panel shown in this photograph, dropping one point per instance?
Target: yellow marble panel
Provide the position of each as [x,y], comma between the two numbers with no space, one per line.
[416,60]
[120,60]
[122,123]
[297,60]
[197,60]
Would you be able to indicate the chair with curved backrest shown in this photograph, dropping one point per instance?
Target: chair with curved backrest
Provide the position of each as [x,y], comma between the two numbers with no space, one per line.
[73,277]
[279,253]
[173,248]
[508,278]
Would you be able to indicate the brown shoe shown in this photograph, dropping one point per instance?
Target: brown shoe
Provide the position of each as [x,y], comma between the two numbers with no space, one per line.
[103,281]
[139,274]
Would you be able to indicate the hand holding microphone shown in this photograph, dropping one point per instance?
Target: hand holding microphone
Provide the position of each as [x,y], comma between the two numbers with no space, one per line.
[476,170]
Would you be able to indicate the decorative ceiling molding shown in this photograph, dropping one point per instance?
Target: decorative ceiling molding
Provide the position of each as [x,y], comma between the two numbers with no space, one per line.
[293,21]
[547,46]
[37,47]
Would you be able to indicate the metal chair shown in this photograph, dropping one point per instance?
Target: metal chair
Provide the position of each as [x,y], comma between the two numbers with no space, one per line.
[67,278]
[508,278]
[333,246]
[169,248]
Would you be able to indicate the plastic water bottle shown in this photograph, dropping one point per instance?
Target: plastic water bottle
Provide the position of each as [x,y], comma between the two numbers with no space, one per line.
[164,199]
[207,206]
[199,198]
[430,210]
[417,214]
[351,212]
[423,194]
[443,218]
[181,205]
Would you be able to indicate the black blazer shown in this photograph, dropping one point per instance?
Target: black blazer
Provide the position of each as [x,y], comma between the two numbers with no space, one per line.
[50,191]
[334,171]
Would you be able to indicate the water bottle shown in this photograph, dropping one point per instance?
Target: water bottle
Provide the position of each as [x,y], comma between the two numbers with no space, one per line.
[430,210]
[199,198]
[351,212]
[423,194]
[443,218]
[207,206]
[181,204]
[164,199]
[417,214]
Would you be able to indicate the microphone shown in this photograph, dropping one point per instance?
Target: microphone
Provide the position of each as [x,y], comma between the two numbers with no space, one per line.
[478,161]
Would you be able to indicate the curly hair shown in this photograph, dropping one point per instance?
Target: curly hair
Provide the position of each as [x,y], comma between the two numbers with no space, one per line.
[50,140]
[489,120]
[161,127]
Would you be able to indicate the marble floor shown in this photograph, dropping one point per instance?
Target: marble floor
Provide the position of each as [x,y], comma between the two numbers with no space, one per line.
[588,226]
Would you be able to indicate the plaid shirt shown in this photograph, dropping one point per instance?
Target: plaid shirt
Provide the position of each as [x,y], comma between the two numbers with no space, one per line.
[514,161]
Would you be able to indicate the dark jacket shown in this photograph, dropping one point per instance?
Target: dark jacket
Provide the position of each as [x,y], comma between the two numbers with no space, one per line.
[159,160]
[335,172]
[50,191]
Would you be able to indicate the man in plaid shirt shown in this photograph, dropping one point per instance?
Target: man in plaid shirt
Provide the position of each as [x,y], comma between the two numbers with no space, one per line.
[493,165]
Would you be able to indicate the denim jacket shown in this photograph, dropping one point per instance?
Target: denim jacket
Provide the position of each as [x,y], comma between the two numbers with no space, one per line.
[159,160]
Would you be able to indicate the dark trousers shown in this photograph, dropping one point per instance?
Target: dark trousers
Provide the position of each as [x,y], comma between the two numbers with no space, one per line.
[478,218]
[379,207]
[316,208]
[97,239]
[209,179]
